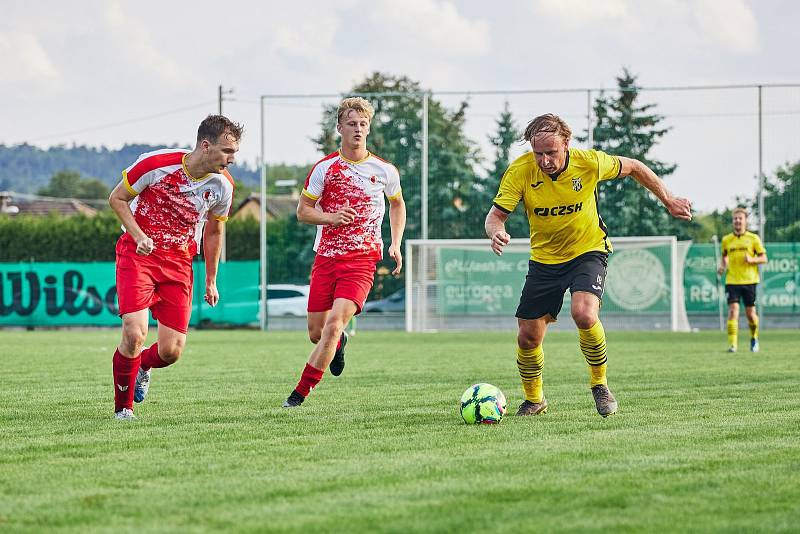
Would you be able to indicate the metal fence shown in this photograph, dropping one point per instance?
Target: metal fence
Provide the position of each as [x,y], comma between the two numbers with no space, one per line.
[725,140]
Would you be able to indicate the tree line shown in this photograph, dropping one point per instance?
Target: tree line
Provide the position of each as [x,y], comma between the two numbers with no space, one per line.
[462,182]
[84,172]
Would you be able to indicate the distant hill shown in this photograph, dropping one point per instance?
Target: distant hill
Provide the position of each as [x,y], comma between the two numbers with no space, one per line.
[26,168]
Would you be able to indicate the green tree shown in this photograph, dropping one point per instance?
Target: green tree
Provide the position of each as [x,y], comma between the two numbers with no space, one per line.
[69,184]
[718,223]
[504,137]
[627,128]
[782,204]
[396,135]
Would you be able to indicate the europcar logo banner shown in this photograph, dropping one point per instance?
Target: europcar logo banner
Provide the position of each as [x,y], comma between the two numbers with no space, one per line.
[474,281]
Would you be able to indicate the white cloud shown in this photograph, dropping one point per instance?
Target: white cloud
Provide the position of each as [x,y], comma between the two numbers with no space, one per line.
[582,13]
[304,40]
[700,26]
[729,24]
[25,62]
[435,26]
[133,46]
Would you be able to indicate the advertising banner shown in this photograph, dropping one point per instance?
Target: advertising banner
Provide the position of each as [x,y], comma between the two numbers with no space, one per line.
[476,281]
[63,294]
[780,277]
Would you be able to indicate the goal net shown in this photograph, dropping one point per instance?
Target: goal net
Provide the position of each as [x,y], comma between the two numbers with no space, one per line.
[460,284]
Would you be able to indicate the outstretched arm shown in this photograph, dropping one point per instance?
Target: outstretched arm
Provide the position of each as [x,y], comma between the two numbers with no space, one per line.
[495,227]
[680,208]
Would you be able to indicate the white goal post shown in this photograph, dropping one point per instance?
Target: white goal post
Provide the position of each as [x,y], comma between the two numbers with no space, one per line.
[460,284]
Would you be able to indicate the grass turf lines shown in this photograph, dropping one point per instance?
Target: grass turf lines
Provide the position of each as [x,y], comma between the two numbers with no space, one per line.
[703,441]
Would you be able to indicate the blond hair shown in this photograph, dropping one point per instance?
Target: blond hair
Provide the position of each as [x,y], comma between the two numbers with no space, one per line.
[547,123]
[739,210]
[361,105]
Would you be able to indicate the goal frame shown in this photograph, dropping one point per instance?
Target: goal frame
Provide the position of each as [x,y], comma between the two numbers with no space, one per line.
[676,278]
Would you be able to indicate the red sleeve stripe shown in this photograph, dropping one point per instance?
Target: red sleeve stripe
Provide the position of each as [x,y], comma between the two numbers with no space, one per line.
[229,177]
[154,162]
[380,158]
[326,158]
[233,190]
[386,162]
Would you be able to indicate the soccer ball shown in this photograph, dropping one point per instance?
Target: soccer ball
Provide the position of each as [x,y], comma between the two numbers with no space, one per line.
[483,403]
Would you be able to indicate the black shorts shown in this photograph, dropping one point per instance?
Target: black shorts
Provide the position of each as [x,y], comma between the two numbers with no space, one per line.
[545,284]
[746,292]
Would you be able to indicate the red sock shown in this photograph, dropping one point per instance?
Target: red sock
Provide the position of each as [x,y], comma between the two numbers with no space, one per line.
[125,370]
[151,359]
[310,378]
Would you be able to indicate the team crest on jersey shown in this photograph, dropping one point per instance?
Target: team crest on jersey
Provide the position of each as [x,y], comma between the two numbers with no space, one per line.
[373,178]
[209,196]
[576,184]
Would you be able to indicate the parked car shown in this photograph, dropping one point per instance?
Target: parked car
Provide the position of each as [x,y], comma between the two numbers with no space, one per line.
[287,299]
[394,303]
[282,299]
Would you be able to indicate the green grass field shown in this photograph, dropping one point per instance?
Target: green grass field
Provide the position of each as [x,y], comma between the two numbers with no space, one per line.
[703,441]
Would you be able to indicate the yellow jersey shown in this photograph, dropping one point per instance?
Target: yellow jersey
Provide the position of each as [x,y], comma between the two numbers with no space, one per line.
[562,209]
[735,247]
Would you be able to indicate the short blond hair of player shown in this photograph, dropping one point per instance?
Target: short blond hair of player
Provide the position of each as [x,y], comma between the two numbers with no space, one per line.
[360,105]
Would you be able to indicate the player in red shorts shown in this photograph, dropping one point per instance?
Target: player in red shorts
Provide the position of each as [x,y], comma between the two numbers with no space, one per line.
[167,200]
[343,196]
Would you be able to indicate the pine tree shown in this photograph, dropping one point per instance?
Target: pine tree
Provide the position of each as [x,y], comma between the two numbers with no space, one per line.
[627,128]
[396,135]
[505,136]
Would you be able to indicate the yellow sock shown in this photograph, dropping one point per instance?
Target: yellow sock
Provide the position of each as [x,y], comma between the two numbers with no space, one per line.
[733,333]
[754,329]
[530,363]
[593,347]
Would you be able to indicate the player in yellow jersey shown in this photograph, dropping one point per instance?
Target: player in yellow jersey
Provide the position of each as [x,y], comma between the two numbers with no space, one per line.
[742,253]
[569,246]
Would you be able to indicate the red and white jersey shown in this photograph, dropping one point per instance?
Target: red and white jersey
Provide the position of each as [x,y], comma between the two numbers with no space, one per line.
[171,206]
[336,181]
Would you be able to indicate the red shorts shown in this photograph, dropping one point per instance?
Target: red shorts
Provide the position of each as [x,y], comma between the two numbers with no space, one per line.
[340,278]
[159,281]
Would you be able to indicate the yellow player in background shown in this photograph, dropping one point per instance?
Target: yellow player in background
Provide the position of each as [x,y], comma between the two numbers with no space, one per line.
[742,253]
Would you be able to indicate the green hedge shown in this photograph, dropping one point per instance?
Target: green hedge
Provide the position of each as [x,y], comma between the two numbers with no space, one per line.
[80,238]
[56,238]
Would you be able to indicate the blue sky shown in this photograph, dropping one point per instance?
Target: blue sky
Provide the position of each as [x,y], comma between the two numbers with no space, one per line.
[108,72]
